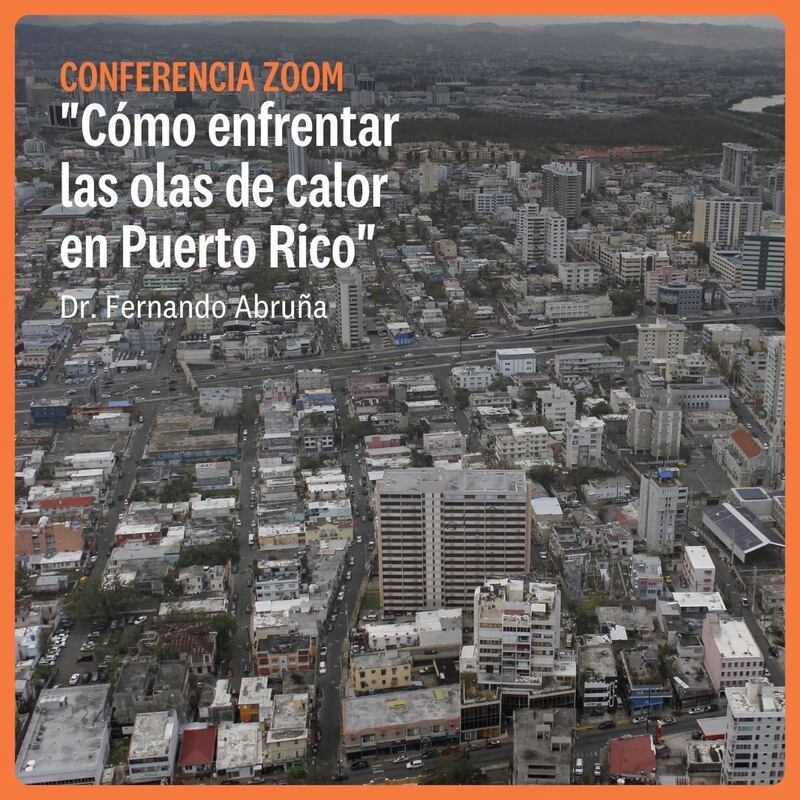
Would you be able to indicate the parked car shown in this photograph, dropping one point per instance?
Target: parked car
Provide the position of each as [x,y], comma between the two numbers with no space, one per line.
[361,764]
[638,719]
[597,770]
[699,710]
[74,679]
[431,754]
[401,759]
[492,743]
[666,721]
[607,725]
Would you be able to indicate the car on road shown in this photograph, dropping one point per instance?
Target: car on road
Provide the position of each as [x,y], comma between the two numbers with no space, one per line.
[361,764]
[667,721]
[493,743]
[323,651]
[323,667]
[74,679]
[578,767]
[638,719]
[597,770]
[248,608]
[348,575]
[340,596]
[607,725]
[156,391]
[401,759]
[359,539]
[140,620]
[699,709]
[415,764]
[431,754]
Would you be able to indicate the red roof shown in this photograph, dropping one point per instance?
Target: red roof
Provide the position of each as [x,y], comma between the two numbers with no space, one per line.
[633,756]
[746,443]
[66,502]
[197,747]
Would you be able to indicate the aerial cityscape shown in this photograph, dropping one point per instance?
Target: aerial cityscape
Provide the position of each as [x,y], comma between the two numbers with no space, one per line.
[500,503]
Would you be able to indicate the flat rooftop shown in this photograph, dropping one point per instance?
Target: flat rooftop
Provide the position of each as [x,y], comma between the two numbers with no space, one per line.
[477,482]
[67,730]
[152,734]
[392,709]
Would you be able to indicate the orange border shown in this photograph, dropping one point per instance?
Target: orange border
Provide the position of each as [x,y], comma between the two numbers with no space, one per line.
[13,10]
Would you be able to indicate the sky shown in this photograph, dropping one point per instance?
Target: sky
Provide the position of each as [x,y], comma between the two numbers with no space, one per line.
[759,21]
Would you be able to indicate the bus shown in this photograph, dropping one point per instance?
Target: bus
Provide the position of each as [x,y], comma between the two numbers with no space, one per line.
[479,336]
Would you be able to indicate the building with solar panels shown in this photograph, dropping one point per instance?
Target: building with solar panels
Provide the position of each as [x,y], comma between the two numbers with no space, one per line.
[740,531]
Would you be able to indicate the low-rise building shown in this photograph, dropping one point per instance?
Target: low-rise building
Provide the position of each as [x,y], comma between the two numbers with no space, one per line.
[240,750]
[698,569]
[732,656]
[380,670]
[397,720]
[153,747]
[543,743]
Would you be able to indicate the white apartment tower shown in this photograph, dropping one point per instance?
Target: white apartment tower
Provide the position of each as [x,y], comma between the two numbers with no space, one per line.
[660,339]
[662,509]
[541,234]
[351,307]
[775,379]
[725,221]
[736,173]
[582,442]
[440,532]
[428,177]
[755,736]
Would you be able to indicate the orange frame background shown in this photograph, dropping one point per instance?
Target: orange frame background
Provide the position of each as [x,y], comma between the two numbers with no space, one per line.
[12,10]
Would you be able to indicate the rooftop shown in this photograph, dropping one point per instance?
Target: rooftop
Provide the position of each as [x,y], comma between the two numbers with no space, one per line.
[478,482]
[399,708]
[152,734]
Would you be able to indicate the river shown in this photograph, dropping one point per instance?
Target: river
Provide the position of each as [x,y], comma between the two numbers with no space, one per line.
[756,105]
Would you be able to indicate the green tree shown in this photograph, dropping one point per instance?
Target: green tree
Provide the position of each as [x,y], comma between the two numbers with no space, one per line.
[178,490]
[462,319]
[97,601]
[461,397]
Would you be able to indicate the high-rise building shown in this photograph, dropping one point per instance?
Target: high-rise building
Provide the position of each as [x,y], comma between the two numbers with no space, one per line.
[541,234]
[428,177]
[654,428]
[763,261]
[440,532]
[297,157]
[662,509]
[561,189]
[776,186]
[582,442]
[736,173]
[775,378]
[517,626]
[725,221]
[660,339]
[352,328]
[755,734]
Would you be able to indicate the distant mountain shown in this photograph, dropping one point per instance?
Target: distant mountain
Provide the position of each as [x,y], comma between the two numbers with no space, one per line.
[585,38]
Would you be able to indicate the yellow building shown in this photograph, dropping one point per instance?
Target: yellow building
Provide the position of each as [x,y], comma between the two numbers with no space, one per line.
[380,670]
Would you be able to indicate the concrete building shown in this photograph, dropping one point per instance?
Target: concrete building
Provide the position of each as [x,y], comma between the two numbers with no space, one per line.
[736,172]
[647,580]
[557,405]
[402,720]
[660,339]
[515,361]
[153,747]
[775,379]
[679,299]
[472,377]
[352,329]
[240,750]
[698,569]
[584,306]
[519,443]
[577,276]
[598,678]
[763,261]
[440,532]
[654,429]
[710,394]
[381,670]
[725,221]
[662,508]
[755,734]
[67,738]
[541,234]
[731,655]
[517,633]
[582,442]
[561,189]
[287,740]
[543,744]
[428,177]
